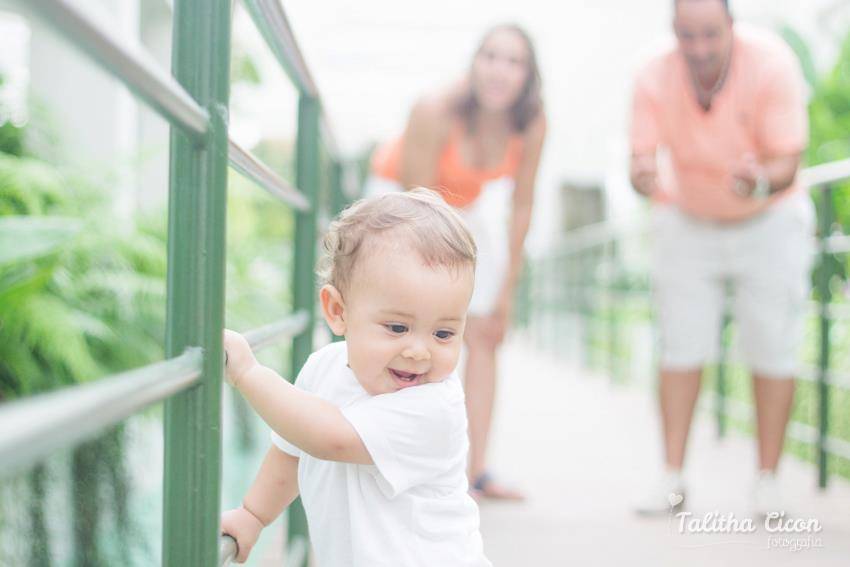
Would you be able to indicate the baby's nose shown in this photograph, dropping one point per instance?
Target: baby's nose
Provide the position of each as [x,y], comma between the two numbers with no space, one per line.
[416,352]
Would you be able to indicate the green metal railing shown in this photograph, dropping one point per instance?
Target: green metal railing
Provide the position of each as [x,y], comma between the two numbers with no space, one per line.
[585,276]
[194,99]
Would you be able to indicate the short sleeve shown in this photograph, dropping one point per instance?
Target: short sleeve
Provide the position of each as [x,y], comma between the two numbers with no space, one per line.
[414,435]
[304,381]
[783,124]
[644,130]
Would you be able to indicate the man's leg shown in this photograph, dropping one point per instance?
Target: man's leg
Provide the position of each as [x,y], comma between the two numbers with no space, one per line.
[678,393]
[774,398]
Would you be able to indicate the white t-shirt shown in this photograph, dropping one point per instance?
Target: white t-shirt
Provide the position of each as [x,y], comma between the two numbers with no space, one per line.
[412,507]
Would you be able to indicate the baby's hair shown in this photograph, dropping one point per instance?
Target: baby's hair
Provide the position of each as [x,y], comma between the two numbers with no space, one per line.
[419,218]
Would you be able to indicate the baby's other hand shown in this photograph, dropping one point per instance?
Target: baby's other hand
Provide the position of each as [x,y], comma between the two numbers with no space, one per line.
[244,527]
[240,358]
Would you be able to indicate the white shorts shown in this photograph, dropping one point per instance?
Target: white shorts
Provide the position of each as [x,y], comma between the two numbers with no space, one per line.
[766,262]
[488,219]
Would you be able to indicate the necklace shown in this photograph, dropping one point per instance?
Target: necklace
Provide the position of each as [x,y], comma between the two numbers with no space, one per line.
[706,96]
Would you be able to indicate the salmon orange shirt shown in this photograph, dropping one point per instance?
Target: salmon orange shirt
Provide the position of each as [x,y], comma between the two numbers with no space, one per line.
[759,110]
[458,183]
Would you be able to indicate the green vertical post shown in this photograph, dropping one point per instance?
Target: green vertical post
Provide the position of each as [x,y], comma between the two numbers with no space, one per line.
[611,286]
[338,199]
[195,304]
[720,385]
[304,292]
[824,298]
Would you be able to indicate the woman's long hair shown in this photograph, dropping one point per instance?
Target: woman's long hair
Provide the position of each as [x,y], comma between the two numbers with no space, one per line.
[529,103]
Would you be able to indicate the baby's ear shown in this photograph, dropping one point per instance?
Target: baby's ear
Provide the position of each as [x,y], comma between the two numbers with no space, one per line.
[333,309]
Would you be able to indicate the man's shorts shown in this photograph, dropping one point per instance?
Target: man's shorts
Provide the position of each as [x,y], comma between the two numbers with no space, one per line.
[766,263]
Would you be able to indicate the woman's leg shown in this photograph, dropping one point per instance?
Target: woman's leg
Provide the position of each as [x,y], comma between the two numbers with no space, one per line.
[480,398]
[480,391]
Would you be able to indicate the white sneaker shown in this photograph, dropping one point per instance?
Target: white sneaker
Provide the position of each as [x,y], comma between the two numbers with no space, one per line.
[766,498]
[666,496]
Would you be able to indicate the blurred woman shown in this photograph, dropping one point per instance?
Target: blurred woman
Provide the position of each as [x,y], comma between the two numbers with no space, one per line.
[478,143]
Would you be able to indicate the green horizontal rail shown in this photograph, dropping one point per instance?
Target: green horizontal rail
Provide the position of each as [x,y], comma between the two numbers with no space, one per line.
[133,67]
[272,23]
[819,176]
[136,69]
[297,551]
[837,244]
[266,335]
[194,99]
[270,20]
[227,550]
[592,252]
[37,426]
[248,165]
[801,432]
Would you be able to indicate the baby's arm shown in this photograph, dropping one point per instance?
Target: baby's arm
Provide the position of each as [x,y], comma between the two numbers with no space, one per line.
[312,424]
[274,488]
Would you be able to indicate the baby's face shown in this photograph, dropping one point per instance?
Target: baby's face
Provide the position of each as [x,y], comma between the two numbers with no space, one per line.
[404,320]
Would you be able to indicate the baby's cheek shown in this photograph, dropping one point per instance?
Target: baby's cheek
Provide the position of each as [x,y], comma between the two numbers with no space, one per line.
[448,360]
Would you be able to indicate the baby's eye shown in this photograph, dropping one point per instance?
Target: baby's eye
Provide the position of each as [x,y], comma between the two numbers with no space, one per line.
[396,328]
[444,334]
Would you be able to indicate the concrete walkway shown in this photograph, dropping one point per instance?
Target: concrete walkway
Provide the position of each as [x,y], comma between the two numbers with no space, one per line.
[584,449]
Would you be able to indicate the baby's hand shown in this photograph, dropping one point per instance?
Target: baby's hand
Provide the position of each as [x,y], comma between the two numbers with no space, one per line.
[245,529]
[240,358]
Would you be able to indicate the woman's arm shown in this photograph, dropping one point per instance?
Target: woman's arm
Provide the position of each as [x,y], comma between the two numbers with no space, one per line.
[424,137]
[523,200]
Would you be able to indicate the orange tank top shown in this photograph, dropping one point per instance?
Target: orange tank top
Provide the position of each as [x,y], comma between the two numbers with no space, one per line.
[459,184]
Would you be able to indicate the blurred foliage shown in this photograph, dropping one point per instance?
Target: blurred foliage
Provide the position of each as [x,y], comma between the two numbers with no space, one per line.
[11,134]
[243,69]
[82,296]
[829,132]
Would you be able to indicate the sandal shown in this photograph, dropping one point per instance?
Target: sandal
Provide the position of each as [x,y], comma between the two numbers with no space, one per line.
[484,486]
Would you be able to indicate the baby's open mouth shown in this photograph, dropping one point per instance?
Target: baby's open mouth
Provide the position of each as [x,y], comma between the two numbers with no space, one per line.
[404,376]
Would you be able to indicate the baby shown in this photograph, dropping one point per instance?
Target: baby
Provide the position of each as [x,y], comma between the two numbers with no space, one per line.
[373,435]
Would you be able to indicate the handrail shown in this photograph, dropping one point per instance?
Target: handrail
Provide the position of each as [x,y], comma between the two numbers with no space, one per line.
[830,241]
[264,336]
[797,431]
[198,188]
[36,426]
[823,174]
[137,70]
[814,177]
[227,550]
[271,21]
[133,67]
[246,164]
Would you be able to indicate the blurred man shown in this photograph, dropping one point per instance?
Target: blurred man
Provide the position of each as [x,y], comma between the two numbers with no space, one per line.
[718,126]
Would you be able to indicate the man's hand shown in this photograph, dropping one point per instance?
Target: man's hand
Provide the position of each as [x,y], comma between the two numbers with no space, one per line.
[240,358]
[747,175]
[644,174]
[244,527]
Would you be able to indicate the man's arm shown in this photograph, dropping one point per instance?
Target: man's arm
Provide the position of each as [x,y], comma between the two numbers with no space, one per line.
[777,172]
[644,137]
[643,174]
